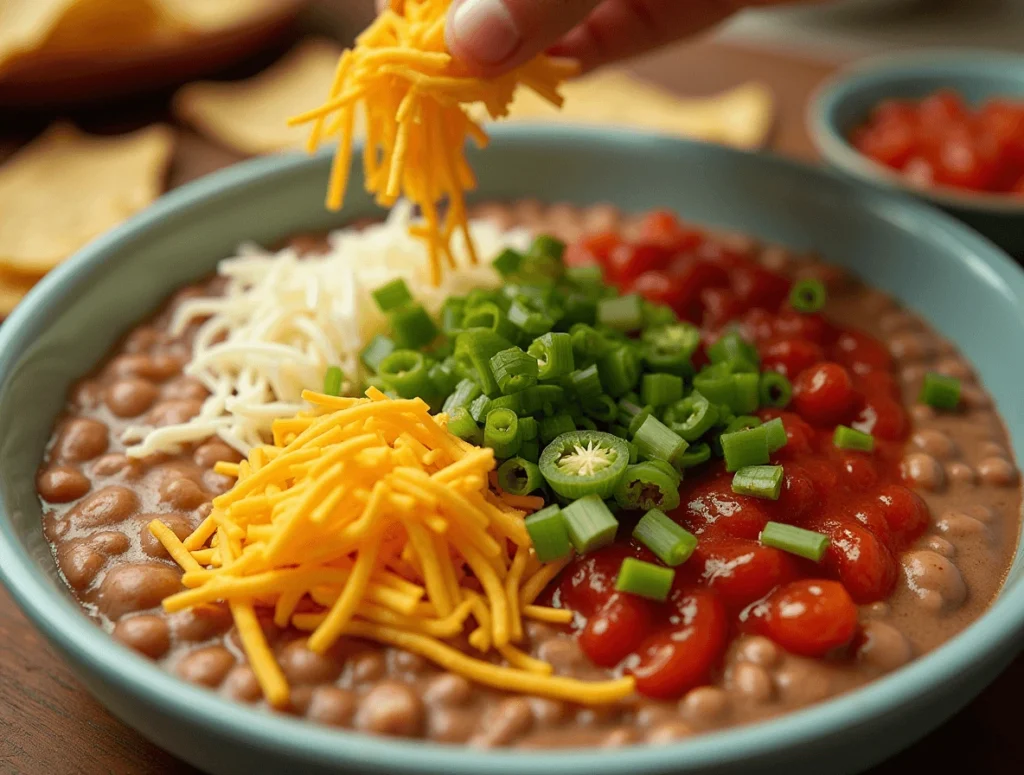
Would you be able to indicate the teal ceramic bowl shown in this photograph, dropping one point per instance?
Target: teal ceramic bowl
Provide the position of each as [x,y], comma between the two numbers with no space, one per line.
[845,101]
[74,316]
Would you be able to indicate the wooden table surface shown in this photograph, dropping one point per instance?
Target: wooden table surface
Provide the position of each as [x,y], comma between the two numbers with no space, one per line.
[49,725]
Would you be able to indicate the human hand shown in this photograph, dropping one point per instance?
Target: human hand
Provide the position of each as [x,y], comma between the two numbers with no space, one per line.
[492,36]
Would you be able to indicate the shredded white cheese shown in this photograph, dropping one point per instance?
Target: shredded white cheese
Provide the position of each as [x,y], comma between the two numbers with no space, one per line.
[282,321]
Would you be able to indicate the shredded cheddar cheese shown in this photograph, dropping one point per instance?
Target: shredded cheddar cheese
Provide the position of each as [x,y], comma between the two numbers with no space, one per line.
[366,518]
[415,98]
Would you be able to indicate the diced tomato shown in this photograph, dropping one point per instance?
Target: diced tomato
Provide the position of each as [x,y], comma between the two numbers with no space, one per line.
[824,394]
[861,353]
[601,245]
[755,286]
[858,559]
[790,356]
[790,324]
[810,617]
[711,510]
[617,628]
[676,660]
[628,261]
[883,418]
[577,254]
[905,514]
[742,571]
[658,287]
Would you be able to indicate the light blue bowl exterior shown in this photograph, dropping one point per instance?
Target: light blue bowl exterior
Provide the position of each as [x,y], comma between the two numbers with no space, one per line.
[958,280]
[845,102]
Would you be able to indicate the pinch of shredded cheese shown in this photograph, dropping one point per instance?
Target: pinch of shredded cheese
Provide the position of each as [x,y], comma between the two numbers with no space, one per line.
[415,98]
[371,510]
[283,320]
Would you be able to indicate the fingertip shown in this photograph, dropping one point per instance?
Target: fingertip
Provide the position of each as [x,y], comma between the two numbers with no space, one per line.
[482,33]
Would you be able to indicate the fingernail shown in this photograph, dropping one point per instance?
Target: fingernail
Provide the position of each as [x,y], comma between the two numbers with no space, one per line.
[485,31]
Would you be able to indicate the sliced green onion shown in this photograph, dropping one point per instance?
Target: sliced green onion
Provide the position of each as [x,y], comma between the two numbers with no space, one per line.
[940,391]
[695,455]
[474,350]
[670,348]
[731,348]
[586,383]
[658,315]
[513,370]
[479,407]
[332,381]
[746,392]
[548,247]
[644,579]
[411,326]
[539,397]
[443,377]
[501,433]
[775,434]
[578,308]
[758,481]
[464,394]
[587,275]
[462,424]
[530,450]
[550,428]
[528,428]
[590,523]
[619,370]
[656,441]
[624,313]
[716,383]
[392,295]
[808,296]
[670,542]
[517,476]
[634,453]
[507,263]
[530,321]
[661,389]
[406,373]
[553,352]
[692,417]
[638,420]
[744,448]
[490,317]
[848,438]
[582,463]
[795,540]
[587,343]
[742,423]
[549,533]
[775,390]
[451,315]
[602,408]
[648,486]
[379,348]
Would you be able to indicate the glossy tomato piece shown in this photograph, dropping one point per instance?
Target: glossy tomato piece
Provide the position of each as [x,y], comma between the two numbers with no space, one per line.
[628,261]
[904,512]
[601,245]
[859,559]
[589,580]
[617,628]
[799,498]
[756,286]
[711,510]
[790,356]
[676,660]
[883,418]
[861,353]
[810,328]
[810,617]
[824,394]
[720,306]
[742,571]
[663,228]
[659,288]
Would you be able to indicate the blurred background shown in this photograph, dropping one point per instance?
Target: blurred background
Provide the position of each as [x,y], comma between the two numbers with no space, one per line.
[106,104]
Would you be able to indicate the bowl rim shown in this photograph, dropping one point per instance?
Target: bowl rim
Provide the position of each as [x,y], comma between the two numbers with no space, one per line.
[873,71]
[60,619]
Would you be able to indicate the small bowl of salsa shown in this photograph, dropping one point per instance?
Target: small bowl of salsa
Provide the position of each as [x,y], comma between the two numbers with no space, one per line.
[946,126]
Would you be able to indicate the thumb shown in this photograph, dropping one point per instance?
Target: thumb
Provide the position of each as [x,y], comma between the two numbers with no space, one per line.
[494,35]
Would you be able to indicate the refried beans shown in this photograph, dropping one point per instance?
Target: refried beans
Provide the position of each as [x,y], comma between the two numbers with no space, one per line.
[98,503]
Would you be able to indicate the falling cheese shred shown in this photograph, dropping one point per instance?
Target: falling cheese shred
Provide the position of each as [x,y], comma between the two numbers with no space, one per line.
[415,97]
[365,518]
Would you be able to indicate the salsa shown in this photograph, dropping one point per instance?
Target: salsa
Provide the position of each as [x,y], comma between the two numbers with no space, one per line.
[943,141]
[733,583]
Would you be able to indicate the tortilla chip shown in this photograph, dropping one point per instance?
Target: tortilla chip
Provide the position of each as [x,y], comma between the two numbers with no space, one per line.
[741,117]
[26,24]
[214,15]
[250,116]
[13,288]
[66,187]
